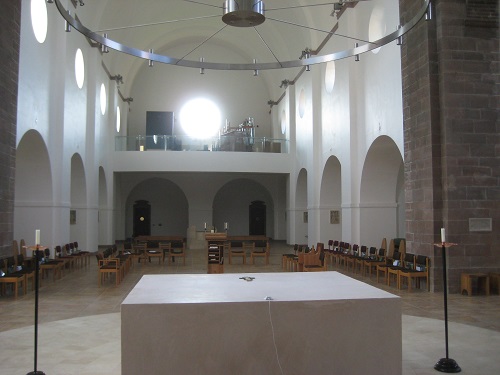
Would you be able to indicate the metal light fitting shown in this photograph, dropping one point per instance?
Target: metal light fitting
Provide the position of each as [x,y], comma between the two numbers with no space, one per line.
[254,14]
[150,62]
[243,13]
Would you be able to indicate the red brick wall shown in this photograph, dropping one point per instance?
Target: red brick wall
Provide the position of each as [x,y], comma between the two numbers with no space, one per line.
[450,77]
[10,18]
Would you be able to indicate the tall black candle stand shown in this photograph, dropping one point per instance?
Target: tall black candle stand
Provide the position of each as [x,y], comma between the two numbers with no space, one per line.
[37,255]
[446,364]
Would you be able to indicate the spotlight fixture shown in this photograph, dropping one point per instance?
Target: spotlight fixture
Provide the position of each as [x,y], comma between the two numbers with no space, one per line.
[356,57]
[150,62]
[202,70]
[305,55]
[49,1]
[400,38]
[255,71]
[243,13]
[67,26]
[104,48]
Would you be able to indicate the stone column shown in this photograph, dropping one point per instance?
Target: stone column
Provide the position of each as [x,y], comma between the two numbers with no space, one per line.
[450,80]
[10,20]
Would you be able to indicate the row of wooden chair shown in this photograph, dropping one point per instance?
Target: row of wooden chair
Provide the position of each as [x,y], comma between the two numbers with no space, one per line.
[392,264]
[243,248]
[145,251]
[18,269]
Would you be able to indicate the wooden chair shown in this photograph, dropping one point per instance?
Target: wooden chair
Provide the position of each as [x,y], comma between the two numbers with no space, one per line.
[50,265]
[238,249]
[287,259]
[177,249]
[23,250]
[373,261]
[66,259]
[106,267]
[139,251]
[407,263]
[336,253]
[261,249]
[165,249]
[420,271]
[358,260]
[26,268]
[350,259]
[83,253]
[153,251]
[17,280]
[389,262]
[345,248]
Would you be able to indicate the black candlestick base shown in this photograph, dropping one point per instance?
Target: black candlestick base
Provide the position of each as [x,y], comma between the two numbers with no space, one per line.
[447,365]
[36,373]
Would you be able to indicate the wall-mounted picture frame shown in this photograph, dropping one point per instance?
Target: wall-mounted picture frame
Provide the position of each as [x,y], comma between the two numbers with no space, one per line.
[334,217]
[306,217]
[72,217]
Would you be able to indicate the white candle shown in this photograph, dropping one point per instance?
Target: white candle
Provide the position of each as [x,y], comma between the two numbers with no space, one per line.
[443,240]
[37,237]
[225,225]
[205,225]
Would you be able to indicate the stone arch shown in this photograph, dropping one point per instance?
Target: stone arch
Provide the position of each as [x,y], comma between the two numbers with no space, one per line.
[231,204]
[301,213]
[169,207]
[33,190]
[104,213]
[381,192]
[331,201]
[78,201]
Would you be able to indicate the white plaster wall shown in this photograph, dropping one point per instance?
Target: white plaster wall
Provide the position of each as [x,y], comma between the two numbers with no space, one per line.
[50,102]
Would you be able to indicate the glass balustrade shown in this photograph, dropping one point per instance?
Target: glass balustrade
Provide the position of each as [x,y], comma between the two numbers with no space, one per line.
[186,143]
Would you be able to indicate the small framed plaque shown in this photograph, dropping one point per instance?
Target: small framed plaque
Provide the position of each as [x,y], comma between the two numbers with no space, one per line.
[306,217]
[334,217]
[72,217]
[480,224]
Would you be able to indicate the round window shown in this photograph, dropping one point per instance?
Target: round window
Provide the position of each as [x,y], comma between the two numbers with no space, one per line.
[79,68]
[39,19]
[103,99]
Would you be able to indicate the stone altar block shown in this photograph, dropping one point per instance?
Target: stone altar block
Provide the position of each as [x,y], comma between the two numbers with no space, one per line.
[315,323]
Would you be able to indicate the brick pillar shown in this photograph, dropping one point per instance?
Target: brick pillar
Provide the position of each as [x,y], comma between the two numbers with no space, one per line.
[450,72]
[10,19]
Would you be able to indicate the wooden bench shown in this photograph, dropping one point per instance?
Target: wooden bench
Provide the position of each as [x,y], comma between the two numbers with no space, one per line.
[474,282]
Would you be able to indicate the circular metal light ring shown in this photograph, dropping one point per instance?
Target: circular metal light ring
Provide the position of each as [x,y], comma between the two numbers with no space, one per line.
[250,66]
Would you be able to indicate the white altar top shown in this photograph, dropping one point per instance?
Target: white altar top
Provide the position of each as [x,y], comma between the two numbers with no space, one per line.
[211,288]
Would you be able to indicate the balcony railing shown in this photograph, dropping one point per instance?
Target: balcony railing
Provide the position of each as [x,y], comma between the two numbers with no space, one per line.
[226,143]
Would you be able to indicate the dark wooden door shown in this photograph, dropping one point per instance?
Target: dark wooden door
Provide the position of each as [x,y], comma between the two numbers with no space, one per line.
[257,212]
[142,218]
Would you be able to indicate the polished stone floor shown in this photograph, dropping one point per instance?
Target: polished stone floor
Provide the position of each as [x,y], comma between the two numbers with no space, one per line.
[79,322]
